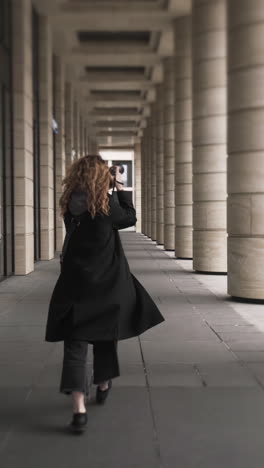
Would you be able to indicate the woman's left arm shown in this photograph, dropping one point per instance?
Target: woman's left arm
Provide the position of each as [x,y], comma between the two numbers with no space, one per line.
[122,214]
[67,219]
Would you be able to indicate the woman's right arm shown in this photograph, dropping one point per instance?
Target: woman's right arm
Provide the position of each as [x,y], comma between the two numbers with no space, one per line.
[123,214]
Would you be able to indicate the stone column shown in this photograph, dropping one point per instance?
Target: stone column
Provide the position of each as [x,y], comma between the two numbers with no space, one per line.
[169,153]
[148,175]
[209,136]
[85,137]
[46,141]
[81,135]
[88,136]
[69,142]
[137,162]
[143,183]
[146,179]
[93,145]
[59,88]
[76,127]
[88,140]
[153,171]
[160,165]
[246,149]
[183,138]
[89,144]
[23,137]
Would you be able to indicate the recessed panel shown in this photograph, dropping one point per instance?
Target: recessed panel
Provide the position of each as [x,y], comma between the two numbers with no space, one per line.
[117,70]
[117,133]
[114,110]
[116,123]
[137,37]
[116,93]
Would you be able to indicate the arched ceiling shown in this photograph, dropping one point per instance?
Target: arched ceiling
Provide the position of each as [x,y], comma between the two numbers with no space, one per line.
[114,50]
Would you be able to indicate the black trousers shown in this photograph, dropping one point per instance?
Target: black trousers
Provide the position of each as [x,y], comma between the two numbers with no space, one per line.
[74,375]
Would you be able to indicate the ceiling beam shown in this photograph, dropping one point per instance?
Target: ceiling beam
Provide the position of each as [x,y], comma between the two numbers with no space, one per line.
[112,20]
[122,130]
[117,116]
[95,5]
[116,147]
[117,85]
[106,47]
[115,124]
[114,59]
[108,103]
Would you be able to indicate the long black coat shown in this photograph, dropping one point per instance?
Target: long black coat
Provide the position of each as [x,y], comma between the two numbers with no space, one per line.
[105,300]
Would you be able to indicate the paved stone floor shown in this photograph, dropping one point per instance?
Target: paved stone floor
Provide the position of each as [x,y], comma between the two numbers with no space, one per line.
[191,393]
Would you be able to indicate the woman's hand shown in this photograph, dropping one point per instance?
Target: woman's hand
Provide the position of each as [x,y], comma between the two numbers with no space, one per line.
[118,179]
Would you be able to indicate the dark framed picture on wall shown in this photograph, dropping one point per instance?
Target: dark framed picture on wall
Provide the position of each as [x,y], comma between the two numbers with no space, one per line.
[127,176]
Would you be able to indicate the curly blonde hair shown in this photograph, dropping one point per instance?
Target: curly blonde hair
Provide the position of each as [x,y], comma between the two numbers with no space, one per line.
[91,175]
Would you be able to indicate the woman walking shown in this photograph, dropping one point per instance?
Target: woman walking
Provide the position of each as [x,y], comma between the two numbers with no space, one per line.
[96,299]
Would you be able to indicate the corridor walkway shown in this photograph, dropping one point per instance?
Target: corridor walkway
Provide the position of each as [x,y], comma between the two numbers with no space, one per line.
[191,393]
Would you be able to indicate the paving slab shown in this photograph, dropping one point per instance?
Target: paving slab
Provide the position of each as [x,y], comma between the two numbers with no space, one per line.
[12,399]
[21,351]
[24,313]
[257,369]
[250,356]
[230,374]
[209,428]
[15,333]
[173,375]
[236,335]
[175,330]
[188,352]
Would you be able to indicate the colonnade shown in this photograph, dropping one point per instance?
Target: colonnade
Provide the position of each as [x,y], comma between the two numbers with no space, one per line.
[202,151]
[59,99]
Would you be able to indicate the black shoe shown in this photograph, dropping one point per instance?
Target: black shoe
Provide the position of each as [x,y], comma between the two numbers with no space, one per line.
[101,395]
[79,422]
